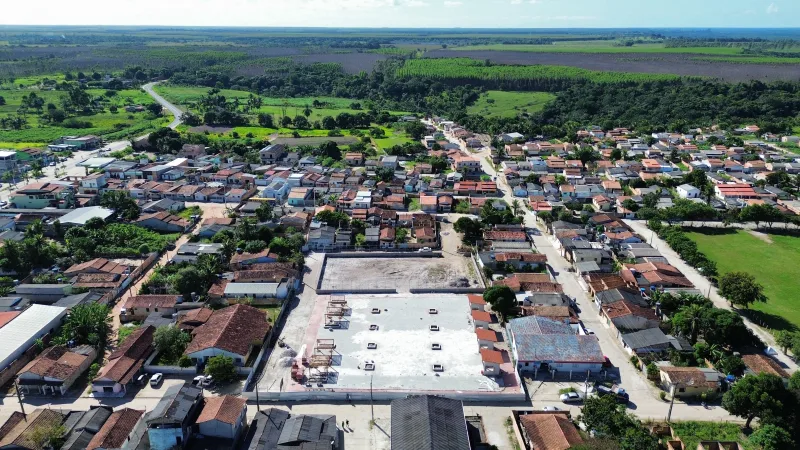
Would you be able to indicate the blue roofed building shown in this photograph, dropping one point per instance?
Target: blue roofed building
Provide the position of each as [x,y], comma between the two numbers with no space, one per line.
[539,343]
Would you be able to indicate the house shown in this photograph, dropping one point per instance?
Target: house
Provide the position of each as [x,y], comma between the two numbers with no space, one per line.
[625,315]
[492,359]
[275,429]
[139,307]
[688,191]
[542,343]
[269,273]
[43,195]
[301,197]
[389,162]
[321,238]
[428,422]
[222,417]
[258,293]
[82,426]
[240,260]
[169,424]
[21,430]
[510,137]
[653,276]
[646,341]
[55,370]
[548,430]
[683,382]
[519,260]
[115,432]
[735,191]
[232,331]
[124,363]
[97,265]
[505,236]
[164,222]
[758,363]
[354,158]
[271,153]
[486,338]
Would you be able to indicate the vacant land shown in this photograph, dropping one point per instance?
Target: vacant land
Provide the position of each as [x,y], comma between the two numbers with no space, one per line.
[509,104]
[773,264]
[401,274]
[691,433]
[654,63]
[112,125]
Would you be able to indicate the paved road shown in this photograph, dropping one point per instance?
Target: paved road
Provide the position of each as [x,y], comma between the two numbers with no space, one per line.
[174,110]
[644,396]
[704,285]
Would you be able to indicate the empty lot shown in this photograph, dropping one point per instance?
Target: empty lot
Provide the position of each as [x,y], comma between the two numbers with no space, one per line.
[397,273]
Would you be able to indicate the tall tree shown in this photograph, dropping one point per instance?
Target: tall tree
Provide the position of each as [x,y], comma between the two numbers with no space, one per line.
[503,301]
[761,396]
[741,289]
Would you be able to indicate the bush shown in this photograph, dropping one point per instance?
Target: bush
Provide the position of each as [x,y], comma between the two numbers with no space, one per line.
[221,368]
[184,361]
[75,123]
[635,361]
[662,395]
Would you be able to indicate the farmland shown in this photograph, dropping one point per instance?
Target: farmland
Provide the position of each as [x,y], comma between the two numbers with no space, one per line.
[509,104]
[602,47]
[465,69]
[643,63]
[772,260]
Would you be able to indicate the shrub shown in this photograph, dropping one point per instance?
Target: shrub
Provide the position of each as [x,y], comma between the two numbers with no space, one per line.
[662,395]
[184,361]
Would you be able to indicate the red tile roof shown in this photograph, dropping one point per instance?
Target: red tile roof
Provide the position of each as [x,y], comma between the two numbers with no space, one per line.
[550,431]
[152,301]
[116,430]
[481,316]
[476,299]
[96,265]
[225,409]
[505,235]
[6,317]
[491,356]
[233,329]
[57,363]
[126,360]
[486,335]
[625,308]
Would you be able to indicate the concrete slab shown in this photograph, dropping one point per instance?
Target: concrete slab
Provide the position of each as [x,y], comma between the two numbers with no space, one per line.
[397,273]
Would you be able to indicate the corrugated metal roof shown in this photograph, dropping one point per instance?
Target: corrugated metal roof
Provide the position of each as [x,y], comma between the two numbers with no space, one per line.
[25,327]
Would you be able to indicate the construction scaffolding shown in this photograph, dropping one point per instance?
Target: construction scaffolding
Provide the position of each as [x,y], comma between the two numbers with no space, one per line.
[321,361]
[336,312]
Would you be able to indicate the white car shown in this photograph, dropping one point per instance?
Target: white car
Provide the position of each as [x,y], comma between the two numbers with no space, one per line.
[155,380]
[425,250]
[550,408]
[570,397]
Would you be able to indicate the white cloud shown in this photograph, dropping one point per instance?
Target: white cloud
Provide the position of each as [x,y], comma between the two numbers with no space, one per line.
[452,4]
[772,8]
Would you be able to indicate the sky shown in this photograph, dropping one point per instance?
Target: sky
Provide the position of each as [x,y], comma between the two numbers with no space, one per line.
[411,13]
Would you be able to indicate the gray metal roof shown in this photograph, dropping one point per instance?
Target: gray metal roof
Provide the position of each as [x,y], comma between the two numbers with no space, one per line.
[82,215]
[251,288]
[428,422]
[278,430]
[645,338]
[175,405]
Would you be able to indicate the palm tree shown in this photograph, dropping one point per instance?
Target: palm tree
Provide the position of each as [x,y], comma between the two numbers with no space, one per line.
[516,207]
[692,316]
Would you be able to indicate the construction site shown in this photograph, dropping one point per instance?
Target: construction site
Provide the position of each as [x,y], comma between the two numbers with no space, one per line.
[385,346]
[439,271]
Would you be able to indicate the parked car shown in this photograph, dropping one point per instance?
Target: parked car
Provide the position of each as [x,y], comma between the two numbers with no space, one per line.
[550,408]
[570,397]
[425,250]
[203,381]
[156,379]
[620,394]
[52,164]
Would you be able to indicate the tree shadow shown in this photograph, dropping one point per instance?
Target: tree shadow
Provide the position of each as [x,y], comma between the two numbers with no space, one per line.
[768,321]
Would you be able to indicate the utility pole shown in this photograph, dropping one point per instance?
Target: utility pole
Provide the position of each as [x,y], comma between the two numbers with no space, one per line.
[586,387]
[371,403]
[19,398]
[671,402]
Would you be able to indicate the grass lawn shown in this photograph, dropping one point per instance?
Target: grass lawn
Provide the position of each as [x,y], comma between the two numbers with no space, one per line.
[509,104]
[773,264]
[602,47]
[691,433]
[271,311]
[189,212]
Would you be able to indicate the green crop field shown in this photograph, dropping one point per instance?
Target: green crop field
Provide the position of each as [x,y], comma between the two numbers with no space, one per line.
[772,260]
[116,125]
[602,47]
[469,69]
[509,104]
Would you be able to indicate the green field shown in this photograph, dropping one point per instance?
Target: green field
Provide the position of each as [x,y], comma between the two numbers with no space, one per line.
[602,47]
[466,69]
[110,125]
[333,106]
[691,433]
[775,265]
[509,104]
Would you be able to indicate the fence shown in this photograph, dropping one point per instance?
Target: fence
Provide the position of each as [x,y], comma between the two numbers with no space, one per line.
[269,343]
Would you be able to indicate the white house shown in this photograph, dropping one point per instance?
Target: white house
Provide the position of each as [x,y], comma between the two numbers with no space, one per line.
[688,191]
[277,189]
[222,417]
[18,335]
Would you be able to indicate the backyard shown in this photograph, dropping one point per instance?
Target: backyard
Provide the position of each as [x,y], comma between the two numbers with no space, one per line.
[771,258]
[691,433]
